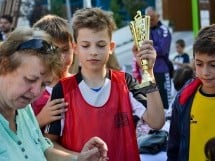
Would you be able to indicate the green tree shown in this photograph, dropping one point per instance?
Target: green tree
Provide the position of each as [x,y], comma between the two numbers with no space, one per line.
[125,10]
[115,8]
[58,8]
[132,6]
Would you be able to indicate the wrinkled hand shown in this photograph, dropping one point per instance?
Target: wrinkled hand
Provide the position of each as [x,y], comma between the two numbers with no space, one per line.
[94,150]
[146,51]
[52,111]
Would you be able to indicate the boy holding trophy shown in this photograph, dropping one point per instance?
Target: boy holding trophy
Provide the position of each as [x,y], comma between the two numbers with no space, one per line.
[103,102]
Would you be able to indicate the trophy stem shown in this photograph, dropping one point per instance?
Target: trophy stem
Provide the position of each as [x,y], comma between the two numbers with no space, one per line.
[146,78]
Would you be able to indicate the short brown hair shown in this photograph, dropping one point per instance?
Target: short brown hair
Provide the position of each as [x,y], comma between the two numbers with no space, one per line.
[92,18]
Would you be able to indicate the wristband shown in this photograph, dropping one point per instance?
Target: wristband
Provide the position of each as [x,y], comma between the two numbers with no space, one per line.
[152,88]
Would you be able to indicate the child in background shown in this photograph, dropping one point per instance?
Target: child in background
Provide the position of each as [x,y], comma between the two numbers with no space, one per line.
[101,101]
[181,58]
[45,110]
[181,76]
[179,61]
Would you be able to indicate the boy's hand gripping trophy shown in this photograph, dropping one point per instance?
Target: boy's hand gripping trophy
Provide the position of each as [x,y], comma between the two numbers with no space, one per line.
[140,29]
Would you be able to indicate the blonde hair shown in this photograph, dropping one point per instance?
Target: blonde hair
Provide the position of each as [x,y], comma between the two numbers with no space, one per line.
[56,26]
[113,63]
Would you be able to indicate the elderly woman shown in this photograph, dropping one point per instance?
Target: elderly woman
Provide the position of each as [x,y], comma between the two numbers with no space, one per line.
[27,58]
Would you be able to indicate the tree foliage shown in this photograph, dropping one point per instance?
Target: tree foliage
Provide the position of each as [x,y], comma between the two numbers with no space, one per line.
[115,8]
[58,8]
[125,10]
[133,5]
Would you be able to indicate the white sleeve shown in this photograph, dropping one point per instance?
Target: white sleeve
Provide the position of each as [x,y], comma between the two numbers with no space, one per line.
[137,107]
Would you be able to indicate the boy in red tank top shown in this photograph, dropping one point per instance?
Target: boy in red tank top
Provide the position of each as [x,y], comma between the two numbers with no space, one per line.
[103,102]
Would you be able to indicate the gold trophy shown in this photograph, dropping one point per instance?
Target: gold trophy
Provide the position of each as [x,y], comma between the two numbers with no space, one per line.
[140,29]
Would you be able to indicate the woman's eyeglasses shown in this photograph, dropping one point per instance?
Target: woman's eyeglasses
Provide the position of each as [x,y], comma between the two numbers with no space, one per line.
[38,45]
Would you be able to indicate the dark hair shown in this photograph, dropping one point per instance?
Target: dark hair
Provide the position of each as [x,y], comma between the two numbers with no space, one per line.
[210,149]
[205,41]
[180,42]
[181,76]
[7,17]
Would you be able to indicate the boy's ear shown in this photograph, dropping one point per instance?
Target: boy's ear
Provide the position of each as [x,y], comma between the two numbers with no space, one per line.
[112,46]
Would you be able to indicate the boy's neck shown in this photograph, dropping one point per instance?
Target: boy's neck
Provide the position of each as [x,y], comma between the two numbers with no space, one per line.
[94,79]
[180,53]
[207,91]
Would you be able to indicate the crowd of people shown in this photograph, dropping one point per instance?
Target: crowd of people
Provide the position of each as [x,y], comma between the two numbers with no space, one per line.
[63,95]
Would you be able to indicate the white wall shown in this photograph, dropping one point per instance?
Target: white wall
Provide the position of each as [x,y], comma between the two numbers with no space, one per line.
[124,44]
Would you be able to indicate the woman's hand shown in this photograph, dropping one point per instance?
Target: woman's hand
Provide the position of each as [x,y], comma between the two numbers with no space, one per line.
[94,150]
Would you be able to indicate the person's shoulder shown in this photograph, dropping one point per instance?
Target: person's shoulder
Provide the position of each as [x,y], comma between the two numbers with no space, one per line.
[188,90]
[176,56]
[116,73]
[27,113]
[128,77]
[165,30]
[68,78]
[68,82]
[27,109]
[121,72]
[185,54]
[162,26]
